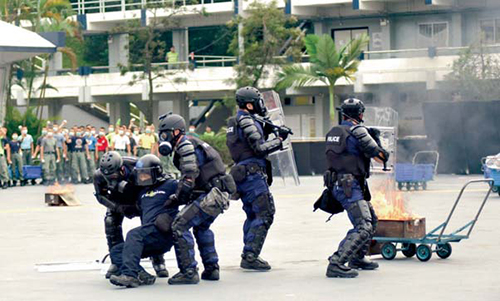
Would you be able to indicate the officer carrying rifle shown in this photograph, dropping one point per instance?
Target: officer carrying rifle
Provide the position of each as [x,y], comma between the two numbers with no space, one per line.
[349,148]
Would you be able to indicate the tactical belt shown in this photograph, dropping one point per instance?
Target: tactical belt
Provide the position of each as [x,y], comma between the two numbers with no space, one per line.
[253,168]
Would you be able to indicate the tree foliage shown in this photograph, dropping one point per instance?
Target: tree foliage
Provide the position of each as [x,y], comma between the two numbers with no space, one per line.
[475,75]
[327,64]
[265,31]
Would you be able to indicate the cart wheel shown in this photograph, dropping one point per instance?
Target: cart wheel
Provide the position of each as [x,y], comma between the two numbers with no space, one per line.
[408,186]
[495,189]
[409,250]
[424,185]
[400,185]
[444,250]
[424,252]
[388,251]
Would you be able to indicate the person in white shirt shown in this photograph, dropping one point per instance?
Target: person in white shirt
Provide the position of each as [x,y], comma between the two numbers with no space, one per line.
[121,143]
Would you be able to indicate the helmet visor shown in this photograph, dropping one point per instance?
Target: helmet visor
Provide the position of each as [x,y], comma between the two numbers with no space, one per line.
[145,176]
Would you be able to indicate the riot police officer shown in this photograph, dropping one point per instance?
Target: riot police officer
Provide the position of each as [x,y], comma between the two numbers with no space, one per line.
[249,143]
[154,236]
[116,189]
[205,188]
[349,149]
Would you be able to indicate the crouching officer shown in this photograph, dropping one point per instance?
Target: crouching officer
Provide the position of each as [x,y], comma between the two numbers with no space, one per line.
[154,236]
[205,188]
[249,144]
[349,149]
[116,189]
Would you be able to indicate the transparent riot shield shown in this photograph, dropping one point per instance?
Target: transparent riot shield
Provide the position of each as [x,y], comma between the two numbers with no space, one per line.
[283,161]
[386,121]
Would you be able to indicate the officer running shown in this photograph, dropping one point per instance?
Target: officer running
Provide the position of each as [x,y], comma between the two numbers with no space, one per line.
[249,144]
[205,188]
[349,149]
[154,236]
[116,189]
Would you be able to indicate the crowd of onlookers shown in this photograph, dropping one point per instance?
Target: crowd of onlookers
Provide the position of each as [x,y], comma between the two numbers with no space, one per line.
[72,154]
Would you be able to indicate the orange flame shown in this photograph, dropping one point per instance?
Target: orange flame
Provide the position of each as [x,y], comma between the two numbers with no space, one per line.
[389,204]
[58,189]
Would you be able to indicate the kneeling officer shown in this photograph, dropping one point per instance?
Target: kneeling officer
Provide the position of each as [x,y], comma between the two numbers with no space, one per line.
[154,236]
[115,188]
[349,149]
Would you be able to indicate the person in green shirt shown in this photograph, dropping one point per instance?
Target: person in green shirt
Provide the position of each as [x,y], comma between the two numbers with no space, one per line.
[172,58]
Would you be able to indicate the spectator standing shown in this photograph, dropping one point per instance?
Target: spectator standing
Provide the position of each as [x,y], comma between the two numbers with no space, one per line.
[59,136]
[49,156]
[208,131]
[102,144]
[192,132]
[79,160]
[121,143]
[4,172]
[172,58]
[146,142]
[27,147]
[16,160]
[91,142]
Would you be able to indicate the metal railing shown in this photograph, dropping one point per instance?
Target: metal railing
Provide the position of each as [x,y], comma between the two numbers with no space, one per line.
[105,6]
[422,52]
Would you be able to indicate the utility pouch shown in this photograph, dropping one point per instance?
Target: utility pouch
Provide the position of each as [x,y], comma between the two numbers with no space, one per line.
[346,182]
[238,172]
[215,202]
[253,168]
[329,179]
[164,222]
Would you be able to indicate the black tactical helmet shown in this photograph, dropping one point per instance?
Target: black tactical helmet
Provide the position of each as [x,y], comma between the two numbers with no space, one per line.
[251,95]
[352,108]
[172,122]
[111,163]
[148,170]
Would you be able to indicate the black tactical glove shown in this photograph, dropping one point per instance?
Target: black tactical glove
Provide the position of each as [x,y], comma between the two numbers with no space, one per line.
[283,133]
[128,210]
[385,154]
[184,191]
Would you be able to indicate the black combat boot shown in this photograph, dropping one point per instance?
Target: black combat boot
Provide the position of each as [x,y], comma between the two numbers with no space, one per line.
[189,276]
[363,263]
[159,266]
[113,270]
[336,269]
[250,261]
[211,272]
[145,278]
[124,280]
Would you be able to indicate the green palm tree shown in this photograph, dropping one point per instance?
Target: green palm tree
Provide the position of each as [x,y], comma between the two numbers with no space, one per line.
[327,65]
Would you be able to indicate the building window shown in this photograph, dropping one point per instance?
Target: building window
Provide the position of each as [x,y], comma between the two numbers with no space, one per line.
[344,36]
[490,31]
[433,35]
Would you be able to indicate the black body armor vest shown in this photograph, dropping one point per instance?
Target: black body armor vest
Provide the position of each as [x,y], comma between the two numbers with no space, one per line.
[337,157]
[238,148]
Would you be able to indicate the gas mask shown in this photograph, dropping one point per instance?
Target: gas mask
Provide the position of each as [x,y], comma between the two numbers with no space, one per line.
[167,142]
[259,107]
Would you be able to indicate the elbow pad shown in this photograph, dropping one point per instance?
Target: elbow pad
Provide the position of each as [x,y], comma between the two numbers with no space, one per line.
[188,164]
[255,139]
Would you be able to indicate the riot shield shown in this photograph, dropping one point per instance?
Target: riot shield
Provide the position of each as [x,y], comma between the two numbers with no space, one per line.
[283,161]
[386,121]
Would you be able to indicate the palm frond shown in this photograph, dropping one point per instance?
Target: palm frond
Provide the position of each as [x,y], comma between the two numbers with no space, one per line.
[296,75]
[311,40]
[326,52]
[354,49]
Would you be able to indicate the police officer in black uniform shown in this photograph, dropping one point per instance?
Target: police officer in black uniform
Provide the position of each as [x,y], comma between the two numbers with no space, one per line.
[116,189]
[154,236]
[205,187]
[249,143]
[349,148]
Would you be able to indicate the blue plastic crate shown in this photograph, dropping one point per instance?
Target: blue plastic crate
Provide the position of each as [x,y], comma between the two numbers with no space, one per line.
[31,172]
[495,175]
[424,172]
[404,172]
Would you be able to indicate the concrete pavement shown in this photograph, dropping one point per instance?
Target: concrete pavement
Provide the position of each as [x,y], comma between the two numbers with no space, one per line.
[298,246]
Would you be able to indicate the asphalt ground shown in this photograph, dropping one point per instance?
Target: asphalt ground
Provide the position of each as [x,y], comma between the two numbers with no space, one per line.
[297,247]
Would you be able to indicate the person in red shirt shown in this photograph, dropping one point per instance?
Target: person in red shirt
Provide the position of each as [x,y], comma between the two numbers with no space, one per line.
[102,144]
